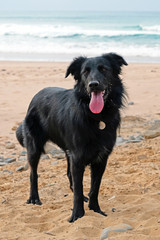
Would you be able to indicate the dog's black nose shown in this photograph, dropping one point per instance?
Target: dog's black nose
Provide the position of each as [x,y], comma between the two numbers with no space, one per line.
[93,84]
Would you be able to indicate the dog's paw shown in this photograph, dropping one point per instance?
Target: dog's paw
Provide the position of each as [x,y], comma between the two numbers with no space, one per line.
[34,201]
[74,217]
[100,212]
[97,209]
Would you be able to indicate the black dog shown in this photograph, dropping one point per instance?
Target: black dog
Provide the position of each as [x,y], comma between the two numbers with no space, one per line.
[82,121]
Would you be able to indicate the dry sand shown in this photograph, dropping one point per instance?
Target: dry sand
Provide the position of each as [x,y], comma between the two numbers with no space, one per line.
[131,183]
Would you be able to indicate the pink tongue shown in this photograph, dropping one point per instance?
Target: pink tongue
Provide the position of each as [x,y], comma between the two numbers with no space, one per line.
[96,104]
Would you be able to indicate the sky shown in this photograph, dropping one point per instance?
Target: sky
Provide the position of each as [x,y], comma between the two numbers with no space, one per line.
[81,5]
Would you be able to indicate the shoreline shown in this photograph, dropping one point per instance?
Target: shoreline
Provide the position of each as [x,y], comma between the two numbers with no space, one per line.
[65,57]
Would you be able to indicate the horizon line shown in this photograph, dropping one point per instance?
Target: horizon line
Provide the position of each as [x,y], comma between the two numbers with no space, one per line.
[86,10]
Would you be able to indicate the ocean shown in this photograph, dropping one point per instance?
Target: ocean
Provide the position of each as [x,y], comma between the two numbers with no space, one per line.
[60,36]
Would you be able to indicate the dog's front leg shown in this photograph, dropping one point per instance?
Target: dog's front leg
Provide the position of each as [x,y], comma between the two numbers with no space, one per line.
[85,199]
[97,170]
[77,170]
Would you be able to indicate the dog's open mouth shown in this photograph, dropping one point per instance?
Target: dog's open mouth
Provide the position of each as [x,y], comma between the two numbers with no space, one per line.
[97,102]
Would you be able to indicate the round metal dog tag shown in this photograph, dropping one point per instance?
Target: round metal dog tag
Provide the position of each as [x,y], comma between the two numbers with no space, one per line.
[102,125]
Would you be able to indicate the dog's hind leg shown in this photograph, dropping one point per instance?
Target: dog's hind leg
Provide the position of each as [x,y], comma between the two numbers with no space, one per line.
[33,158]
[97,170]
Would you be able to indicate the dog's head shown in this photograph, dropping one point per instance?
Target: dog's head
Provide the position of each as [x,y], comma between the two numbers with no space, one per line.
[97,77]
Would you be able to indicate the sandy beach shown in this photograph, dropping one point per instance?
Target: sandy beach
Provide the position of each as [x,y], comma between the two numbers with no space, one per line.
[130,190]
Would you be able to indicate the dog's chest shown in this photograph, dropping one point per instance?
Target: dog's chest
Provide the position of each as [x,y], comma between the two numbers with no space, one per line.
[96,137]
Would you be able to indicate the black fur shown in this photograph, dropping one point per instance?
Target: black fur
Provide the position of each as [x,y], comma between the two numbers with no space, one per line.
[63,117]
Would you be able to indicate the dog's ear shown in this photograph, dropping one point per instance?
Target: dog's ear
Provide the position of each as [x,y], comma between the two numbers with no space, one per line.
[116,61]
[75,68]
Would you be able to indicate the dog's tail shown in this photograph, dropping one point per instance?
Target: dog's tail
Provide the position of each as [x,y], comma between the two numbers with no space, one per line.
[19,135]
[20,138]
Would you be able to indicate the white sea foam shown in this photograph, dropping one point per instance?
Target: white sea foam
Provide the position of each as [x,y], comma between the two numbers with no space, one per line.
[49,30]
[154,28]
[78,48]
[68,36]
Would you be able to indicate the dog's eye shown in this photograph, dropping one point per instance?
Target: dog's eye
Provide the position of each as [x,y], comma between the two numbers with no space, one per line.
[102,69]
[86,71]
